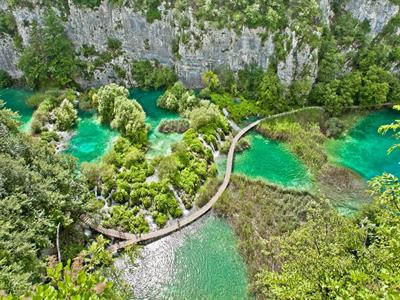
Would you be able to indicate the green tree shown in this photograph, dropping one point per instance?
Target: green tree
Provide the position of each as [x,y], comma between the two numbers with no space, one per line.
[151,74]
[104,100]
[211,80]
[374,88]
[5,79]
[38,191]
[205,114]
[331,61]
[129,119]
[249,80]
[270,92]
[49,59]
[178,98]
[66,115]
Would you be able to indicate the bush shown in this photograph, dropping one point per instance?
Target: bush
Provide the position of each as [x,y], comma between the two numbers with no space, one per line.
[177,126]
[152,15]
[161,220]
[113,44]
[66,115]
[334,127]
[207,191]
[7,23]
[88,3]
[50,136]
[151,74]
[178,98]
[5,79]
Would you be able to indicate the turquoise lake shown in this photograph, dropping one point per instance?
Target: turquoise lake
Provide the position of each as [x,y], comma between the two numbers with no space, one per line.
[92,139]
[271,161]
[14,99]
[208,265]
[364,150]
[201,261]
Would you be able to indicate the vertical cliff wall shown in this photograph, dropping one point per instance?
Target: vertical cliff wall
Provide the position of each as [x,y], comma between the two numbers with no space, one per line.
[143,40]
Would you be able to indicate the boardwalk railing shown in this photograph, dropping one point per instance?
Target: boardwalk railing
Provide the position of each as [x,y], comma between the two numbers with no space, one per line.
[108,232]
[131,239]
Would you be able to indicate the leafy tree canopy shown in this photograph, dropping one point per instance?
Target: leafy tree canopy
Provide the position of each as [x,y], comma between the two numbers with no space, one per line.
[38,191]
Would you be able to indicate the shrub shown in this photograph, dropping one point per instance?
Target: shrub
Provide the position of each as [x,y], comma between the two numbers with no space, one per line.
[7,23]
[66,115]
[5,79]
[177,126]
[152,15]
[151,74]
[113,44]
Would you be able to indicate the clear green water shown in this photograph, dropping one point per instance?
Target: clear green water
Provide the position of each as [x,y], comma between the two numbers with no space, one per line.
[208,265]
[271,161]
[364,150]
[201,261]
[160,143]
[15,100]
[92,140]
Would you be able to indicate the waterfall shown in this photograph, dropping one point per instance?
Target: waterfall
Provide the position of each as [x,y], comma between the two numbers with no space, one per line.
[177,197]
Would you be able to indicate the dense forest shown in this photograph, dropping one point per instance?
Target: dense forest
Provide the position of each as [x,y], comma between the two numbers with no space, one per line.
[295,243]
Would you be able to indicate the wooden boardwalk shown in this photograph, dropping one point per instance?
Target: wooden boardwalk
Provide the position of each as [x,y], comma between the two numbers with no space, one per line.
[131,239]
[108,232]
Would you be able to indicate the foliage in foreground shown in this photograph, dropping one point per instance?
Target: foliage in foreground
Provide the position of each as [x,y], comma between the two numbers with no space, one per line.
[334,257]
[258,212]
[38,191]
[91,275]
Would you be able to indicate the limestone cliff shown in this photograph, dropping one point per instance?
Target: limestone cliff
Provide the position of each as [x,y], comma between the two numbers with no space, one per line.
[143,40]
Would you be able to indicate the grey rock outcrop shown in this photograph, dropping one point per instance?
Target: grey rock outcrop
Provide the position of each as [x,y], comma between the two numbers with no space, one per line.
[377,12]
[142,40]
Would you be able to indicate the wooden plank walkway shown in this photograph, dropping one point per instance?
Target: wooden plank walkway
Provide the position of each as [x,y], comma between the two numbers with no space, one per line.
[108,232]
[131,239]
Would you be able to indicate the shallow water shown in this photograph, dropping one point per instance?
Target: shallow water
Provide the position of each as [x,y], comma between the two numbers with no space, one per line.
[364,150]
[160,143]
[92,140]
[15,100]
[199,262]
[270,161]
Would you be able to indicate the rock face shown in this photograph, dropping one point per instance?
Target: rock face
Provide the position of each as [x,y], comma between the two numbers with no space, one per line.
[9,57]
[142,40]
[377,12]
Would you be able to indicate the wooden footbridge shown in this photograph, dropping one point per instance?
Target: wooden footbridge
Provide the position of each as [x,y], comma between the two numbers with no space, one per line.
[131,239]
